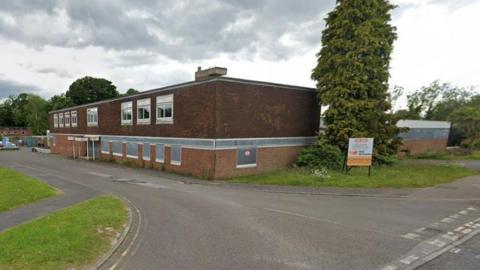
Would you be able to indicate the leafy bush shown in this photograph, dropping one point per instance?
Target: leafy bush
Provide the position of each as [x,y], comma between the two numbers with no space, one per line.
[322,155]
[384,159]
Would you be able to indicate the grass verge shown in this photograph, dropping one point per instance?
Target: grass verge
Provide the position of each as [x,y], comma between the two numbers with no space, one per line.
[71,238]
[475,155]
[402,175]
[18,189]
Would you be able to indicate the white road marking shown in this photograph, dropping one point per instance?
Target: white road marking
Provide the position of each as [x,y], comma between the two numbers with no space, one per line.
[455,250]
[463,212]
[100,174]
[437,243]
[409,259]
[447,220]
[389,267]
[454,216]
[421,230]
[450,236]
[472,208]
[410,236]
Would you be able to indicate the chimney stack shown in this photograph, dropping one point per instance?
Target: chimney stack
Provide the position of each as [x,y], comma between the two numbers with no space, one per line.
[206,74]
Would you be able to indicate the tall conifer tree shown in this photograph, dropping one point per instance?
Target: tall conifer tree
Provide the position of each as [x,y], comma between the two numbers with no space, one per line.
[353,71]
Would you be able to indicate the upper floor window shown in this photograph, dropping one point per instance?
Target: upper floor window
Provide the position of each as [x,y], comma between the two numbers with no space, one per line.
[127,114]
[92,117]
[143,111]
[67,119]
[61,122]
[74,118]
[165,109]
[55,120]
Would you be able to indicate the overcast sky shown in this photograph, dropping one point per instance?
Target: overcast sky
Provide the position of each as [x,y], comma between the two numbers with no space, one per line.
[46,44]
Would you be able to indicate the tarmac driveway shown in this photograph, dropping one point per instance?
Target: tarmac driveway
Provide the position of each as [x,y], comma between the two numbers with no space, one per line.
[207,226]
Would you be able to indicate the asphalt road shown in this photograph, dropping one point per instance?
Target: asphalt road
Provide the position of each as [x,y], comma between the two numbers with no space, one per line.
[207,226]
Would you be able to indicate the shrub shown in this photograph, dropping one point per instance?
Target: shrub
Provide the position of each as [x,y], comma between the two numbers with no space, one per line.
[322,155]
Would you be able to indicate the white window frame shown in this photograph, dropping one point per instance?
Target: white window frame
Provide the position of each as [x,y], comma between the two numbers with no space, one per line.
[92,112]
[101,148]
[163,102]
[73,116]
[126,106]
[55,120]
[156,154]
[175,162]
[144,104]
[132,156]
[60,120]
[149,151]
[67,119]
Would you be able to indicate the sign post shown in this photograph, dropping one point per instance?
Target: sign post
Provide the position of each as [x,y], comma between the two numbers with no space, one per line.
[360,153]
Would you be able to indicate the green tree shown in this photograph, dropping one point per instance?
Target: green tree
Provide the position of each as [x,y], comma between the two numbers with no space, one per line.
[89,89]
[467,119]
[19,111]
[6,114]
[130,92]
[58,102]
[353,71]
[37,114]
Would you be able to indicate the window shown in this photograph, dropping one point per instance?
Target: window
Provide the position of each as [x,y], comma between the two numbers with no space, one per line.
[127,113]
[55,120]
[247,157]
[165,109]
[92,117]
[60,120]
[67,119]
[143,111]
[105,147]
[160,153]
[117,149]
[74,118]
[146,151]
[132,150]
[176,155]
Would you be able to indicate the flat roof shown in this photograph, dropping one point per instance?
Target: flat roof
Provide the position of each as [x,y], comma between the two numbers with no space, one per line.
[191,83]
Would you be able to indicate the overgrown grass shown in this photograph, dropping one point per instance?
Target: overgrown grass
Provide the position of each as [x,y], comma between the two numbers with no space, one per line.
[475,155]
[402,175]
[17,189]
[72,238]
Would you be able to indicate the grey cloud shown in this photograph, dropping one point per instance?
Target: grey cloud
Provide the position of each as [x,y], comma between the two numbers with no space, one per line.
[182,29]
[59,73]
[8,88]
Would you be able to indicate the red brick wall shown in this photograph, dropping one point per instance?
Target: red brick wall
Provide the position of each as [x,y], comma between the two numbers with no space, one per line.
[251,111]
[62,146]
[268,159]
[214,109]
[415,147]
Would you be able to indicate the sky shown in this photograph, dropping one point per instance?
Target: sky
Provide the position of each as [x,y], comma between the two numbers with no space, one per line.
[47,44]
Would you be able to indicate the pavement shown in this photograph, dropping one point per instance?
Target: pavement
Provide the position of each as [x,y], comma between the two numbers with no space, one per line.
[182,223]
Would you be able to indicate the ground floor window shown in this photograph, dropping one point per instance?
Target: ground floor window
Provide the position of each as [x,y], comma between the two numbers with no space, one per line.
[117,149]
[146,151]
[160,153]
[132,150]
[247,157]
[105,147]
[176,155]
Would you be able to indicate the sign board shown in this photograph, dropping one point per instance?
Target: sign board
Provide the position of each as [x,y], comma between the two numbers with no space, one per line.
[360,151]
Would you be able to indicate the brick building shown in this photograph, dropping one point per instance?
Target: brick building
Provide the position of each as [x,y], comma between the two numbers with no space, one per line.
[213,127]
[15,131]
[424,136]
